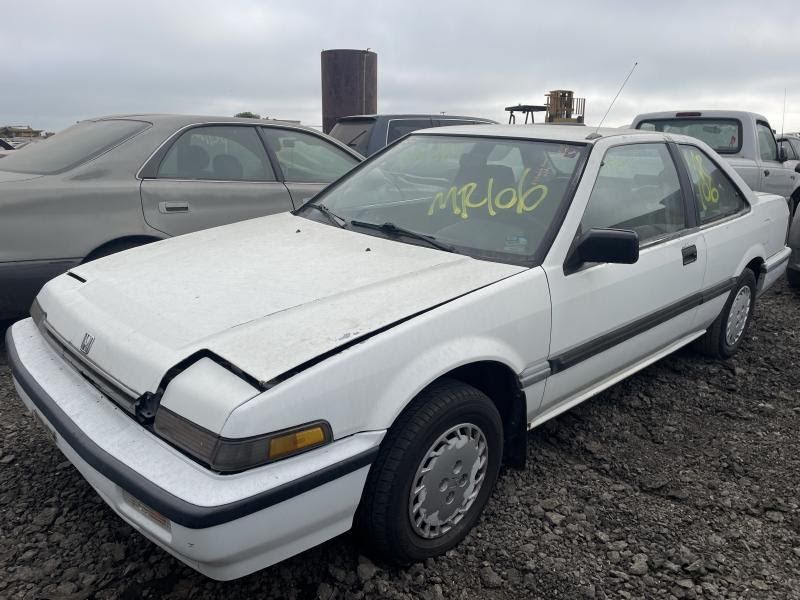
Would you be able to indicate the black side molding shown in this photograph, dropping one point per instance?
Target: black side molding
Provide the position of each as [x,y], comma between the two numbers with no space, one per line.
[172,507]
[570,358]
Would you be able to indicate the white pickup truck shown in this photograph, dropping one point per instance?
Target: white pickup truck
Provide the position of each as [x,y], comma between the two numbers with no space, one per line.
[744,139]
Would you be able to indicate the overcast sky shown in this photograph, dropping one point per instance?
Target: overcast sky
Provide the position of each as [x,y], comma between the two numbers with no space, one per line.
[64,61]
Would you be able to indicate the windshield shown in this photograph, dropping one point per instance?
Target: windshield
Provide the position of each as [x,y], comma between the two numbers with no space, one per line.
[723,135]
[354,133]
[71,147]
[491,198]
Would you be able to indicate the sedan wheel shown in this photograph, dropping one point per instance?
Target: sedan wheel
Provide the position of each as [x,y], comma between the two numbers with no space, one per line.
[448,480]
[725,335]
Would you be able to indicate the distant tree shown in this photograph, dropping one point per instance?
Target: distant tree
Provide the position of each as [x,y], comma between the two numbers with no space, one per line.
[247,115]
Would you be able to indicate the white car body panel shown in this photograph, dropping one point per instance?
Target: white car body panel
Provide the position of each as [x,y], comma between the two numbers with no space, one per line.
[130,298]
[293,321]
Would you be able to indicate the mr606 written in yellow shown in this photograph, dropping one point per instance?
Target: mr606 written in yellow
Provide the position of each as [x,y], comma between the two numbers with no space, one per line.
[460,199]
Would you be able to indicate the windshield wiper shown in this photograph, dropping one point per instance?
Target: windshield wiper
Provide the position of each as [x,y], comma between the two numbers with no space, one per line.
[332,217]
[390,228]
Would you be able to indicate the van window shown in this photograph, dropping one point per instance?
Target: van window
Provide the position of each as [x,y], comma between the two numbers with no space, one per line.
[400,127]
[723,135]
[354,133]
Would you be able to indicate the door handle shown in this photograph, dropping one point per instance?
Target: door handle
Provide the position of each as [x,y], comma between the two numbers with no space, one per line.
[766,172]
[689,254]
[173,207]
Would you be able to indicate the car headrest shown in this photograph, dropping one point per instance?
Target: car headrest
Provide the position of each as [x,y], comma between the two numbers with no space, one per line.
[192,160]
[226,166]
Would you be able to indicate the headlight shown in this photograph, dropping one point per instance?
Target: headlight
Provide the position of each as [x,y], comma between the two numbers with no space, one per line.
[228,455]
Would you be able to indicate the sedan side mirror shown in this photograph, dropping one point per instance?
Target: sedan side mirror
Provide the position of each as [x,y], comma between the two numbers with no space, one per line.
[608,246]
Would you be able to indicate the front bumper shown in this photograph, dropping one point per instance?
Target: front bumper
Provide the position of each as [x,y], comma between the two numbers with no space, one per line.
[20,281]
[224,526]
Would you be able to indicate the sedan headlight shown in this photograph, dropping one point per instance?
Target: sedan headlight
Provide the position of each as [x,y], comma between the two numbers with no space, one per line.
[228,455]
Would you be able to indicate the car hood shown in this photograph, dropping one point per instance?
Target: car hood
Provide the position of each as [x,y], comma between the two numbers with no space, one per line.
[11,177]
[266,295]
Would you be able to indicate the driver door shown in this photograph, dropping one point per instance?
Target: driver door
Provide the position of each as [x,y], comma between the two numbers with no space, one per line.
[607,317]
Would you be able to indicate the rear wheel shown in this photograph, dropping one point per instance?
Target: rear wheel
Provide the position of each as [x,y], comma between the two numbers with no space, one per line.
[725,335]
[434,474]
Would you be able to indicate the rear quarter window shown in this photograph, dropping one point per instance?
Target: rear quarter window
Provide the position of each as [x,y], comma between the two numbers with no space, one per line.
[72,147]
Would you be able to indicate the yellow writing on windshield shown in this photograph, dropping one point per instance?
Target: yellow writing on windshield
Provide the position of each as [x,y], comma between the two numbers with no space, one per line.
[462,200]
[709,194]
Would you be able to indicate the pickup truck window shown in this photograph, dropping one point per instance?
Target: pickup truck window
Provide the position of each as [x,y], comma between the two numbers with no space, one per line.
[637,188]
[716,195]
[767,147]
[723,135]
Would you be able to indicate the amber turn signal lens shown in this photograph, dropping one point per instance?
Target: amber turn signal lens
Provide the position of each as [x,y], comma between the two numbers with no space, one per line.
[295,441]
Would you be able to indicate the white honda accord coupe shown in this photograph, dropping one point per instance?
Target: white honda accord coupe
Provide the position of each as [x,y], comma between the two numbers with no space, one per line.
[243,393]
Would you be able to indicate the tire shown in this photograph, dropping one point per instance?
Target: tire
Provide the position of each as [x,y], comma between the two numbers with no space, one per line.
[446,412]
[717,342]
[793,277]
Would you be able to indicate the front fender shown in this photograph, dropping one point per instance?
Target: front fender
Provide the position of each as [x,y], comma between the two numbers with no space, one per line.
[366,386]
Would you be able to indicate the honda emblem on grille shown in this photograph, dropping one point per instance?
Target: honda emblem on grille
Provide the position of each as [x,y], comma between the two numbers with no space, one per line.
[86,344]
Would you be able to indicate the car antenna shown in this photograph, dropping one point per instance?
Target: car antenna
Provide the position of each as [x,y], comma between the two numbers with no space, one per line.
[783,117]
[594,135]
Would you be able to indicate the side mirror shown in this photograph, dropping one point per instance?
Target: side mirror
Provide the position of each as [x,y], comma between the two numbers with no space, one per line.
[619,246]
[782,157]
[797,168]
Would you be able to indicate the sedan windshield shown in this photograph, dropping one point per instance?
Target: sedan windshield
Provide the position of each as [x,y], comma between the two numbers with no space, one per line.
[491,198]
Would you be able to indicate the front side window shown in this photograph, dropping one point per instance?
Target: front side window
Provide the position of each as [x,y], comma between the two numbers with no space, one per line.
[638,189]
[716,195]
[490,198]
[220,153]
[723,135]
[307,158]
[767,148]
[400,127]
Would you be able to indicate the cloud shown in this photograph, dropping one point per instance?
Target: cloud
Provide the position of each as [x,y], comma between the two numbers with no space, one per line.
[77,60]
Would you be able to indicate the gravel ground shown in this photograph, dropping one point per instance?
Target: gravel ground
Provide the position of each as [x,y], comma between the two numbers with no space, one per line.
[681,482]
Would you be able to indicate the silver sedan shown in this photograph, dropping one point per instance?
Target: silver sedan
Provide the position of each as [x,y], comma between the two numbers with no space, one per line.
[109,184]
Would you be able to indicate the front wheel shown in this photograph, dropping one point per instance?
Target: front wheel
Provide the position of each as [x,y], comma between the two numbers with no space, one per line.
[434,474]
[725,335]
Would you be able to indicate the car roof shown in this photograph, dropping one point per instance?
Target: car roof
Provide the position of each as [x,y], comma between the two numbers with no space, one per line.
[673,114]
[183,120]
[411,116]
[560,133]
